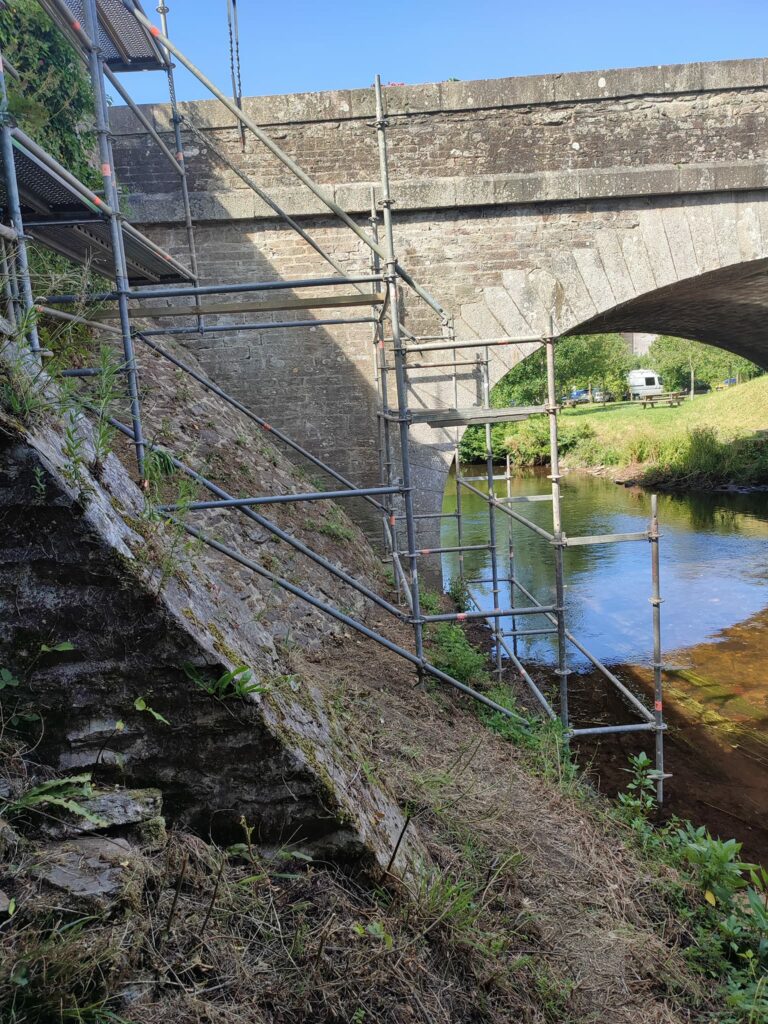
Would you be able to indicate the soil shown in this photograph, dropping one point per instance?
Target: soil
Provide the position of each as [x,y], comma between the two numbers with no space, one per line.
[720,781]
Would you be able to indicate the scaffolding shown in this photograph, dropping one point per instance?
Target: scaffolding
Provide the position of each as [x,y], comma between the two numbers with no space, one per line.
[42,201]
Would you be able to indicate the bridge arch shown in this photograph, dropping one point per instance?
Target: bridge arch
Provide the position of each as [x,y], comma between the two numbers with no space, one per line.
[695,268]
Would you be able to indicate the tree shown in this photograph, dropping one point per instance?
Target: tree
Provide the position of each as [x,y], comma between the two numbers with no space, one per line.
[681,363]
[586,361]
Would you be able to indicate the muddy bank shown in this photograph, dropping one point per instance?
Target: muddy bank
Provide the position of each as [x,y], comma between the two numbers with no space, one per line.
[719,771]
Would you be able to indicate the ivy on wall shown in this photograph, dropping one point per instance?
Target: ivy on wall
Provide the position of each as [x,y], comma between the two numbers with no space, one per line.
[53,101]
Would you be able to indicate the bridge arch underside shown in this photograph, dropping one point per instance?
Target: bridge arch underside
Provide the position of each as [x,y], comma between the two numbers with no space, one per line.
[727,307]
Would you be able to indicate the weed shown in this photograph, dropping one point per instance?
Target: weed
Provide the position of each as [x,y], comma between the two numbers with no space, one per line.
[722,899]
[106,394]
[65,793]
[236,683]
[451,652]
[73,451]
[430,601]
[459,594]
[22,386]
[140,704]
[639,800]
[38,487]
[334,526]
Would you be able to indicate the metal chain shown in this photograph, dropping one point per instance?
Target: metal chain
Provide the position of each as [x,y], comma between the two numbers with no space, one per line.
[234,62]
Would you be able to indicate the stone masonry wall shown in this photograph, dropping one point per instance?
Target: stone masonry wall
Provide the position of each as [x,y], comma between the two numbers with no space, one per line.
[526,206]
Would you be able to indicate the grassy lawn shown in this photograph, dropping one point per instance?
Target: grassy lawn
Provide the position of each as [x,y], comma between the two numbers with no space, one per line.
[715,438]
[734,412]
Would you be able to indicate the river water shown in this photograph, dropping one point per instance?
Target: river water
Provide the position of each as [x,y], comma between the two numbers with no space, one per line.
[714,582]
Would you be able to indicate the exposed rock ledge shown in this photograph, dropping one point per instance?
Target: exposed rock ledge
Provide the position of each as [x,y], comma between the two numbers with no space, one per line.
[81,563]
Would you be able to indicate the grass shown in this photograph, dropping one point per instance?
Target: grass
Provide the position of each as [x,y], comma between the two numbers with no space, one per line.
[717,438]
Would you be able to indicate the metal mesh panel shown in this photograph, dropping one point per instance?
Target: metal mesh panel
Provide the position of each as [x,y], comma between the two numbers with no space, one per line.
[132,35]
[91,244]
[124,42]
[39,185]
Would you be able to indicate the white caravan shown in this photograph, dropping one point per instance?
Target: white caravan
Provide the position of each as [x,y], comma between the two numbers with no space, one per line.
[643,383]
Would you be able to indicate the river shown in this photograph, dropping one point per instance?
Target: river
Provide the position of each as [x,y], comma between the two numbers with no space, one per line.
[714,581]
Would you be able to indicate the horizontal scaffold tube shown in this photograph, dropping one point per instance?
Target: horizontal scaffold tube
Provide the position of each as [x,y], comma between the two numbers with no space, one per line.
[258,420]
[270,527]
[603,730]
[180,291]
[278,499]
[490,613]
[359,627]
[267,325]
[443,346]
[283,157]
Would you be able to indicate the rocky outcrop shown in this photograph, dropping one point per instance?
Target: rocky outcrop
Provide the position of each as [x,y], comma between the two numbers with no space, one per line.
[116,628]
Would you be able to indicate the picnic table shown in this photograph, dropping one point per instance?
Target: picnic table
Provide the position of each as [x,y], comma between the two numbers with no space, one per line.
[668,398]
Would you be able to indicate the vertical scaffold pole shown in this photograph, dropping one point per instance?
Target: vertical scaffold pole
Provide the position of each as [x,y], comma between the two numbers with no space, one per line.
[26,298]
[511,555]
[393,292]
[557,530]
[115,228]
[457,463]
[383,440]
[658,705]
[497,637]
[162,10]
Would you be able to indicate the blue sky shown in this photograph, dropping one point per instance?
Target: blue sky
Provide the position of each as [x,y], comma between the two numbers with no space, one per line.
[301,46]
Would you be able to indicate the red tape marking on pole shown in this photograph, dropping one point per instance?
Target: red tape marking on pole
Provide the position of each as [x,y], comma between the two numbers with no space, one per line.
[657,706]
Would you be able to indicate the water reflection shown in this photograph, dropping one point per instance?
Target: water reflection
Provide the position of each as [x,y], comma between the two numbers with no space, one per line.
[713,561]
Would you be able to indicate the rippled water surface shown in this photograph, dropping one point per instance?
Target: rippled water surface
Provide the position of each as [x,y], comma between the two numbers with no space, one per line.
[714,565]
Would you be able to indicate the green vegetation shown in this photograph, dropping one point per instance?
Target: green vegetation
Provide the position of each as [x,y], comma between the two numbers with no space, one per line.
[52,102]
[713,439]
[335,525]
[449,650]
[64,794]
[722,900]
[237,683]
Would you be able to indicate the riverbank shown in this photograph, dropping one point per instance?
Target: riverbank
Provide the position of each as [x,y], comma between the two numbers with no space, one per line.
[710,442]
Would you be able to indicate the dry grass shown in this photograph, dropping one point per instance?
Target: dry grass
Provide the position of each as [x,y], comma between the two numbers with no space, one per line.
[585,925]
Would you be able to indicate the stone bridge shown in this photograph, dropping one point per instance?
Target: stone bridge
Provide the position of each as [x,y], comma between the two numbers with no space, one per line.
[632,200]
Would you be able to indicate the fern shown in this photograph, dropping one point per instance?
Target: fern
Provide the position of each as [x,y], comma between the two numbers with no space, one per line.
[64,793]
